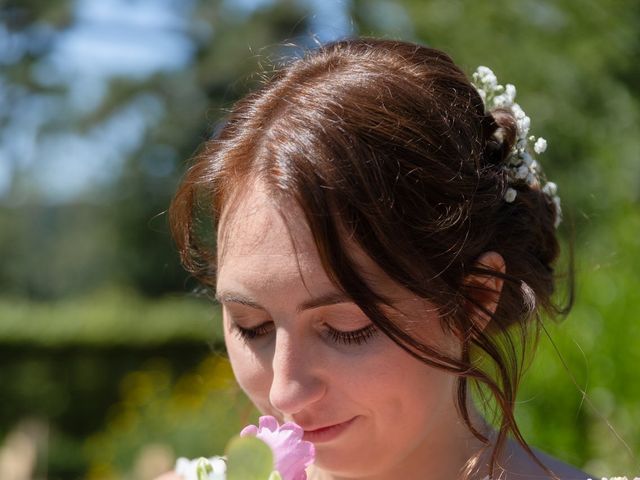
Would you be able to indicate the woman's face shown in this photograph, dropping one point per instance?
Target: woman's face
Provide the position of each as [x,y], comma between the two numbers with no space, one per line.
[303,352]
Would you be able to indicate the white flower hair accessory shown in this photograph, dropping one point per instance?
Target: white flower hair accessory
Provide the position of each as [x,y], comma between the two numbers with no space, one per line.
[521,166]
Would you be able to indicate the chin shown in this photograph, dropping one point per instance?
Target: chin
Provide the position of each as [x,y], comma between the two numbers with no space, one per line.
[341,462]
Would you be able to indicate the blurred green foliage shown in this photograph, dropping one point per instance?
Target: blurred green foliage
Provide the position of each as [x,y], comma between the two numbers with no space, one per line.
[97,341]
[594,350]
[194,415]
[110,317]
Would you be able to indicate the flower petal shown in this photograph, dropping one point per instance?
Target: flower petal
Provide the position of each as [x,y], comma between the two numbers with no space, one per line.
[268,422]
[249,431]
[291,454]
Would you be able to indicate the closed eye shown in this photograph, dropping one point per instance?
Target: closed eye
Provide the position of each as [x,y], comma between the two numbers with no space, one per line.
[339,337]
[352,337]
[252,333]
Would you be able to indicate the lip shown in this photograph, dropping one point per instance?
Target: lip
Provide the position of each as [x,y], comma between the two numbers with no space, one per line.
[328,433]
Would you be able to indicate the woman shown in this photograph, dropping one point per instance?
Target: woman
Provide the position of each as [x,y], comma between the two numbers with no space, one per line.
[378,252]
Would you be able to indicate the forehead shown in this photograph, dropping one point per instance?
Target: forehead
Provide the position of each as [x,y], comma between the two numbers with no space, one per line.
[266,246]
[254,223]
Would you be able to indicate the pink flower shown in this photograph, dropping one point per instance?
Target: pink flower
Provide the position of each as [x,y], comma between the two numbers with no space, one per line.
[292,454]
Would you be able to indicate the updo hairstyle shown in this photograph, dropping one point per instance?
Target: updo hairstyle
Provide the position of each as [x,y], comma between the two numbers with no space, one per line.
[387,144]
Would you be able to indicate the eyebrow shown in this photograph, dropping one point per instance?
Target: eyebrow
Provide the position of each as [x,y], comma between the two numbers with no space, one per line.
[333,298]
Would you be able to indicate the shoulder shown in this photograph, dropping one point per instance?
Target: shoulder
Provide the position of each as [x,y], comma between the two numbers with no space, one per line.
[520,466]
[564,470]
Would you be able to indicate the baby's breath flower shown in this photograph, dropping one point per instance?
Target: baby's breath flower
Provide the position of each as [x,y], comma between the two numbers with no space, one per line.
[540,146]
[485,75]
[520,166]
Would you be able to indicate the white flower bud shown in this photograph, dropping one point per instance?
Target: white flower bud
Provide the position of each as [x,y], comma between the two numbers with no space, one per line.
[517,111]
[558,219]
[510,195]
[550,189]
[523,125]
[500,101]
[486,76]
[510,92]
[540,145]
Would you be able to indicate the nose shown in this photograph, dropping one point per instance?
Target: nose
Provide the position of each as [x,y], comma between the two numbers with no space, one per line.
[297,381]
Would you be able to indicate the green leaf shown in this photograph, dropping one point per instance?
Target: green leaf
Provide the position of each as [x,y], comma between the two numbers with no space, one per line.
[249,458]
[275,475]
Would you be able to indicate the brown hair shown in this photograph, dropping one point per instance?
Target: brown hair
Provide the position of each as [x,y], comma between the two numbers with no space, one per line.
[389,142]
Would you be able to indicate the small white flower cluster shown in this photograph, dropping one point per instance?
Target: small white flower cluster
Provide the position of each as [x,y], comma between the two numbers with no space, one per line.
[520,166]
[214,468]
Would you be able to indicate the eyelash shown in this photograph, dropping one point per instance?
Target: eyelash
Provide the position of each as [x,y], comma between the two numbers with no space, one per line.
[354,337]
[251,333]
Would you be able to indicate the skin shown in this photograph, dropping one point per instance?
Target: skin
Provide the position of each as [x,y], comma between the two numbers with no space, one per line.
[403,421]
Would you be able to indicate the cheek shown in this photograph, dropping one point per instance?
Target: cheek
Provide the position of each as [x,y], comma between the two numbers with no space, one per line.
[414,404]
[409,392]
[252,373]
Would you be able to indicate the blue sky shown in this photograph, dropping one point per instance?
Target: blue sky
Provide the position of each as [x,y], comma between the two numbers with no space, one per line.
[108,39]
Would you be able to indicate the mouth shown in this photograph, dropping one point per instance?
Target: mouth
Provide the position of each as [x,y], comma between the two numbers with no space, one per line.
[328,433]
